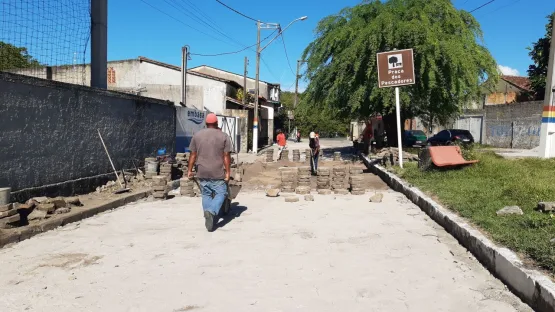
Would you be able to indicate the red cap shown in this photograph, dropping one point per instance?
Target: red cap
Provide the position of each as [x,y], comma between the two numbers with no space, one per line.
[211,118]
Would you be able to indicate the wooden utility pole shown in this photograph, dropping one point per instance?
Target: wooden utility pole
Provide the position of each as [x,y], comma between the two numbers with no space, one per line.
[184,57]
[245,91]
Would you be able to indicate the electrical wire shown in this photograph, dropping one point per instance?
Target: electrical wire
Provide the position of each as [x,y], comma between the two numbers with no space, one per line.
[180,21]
[234,52]
[286,54]
[200,20]
[232,9]
[483,5]
[504,6]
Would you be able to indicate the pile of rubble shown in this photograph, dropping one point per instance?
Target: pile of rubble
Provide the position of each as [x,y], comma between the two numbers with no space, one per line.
[392,152]
[15,214]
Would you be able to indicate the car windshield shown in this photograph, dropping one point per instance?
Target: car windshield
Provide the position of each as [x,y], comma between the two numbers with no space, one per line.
[417,132]
[460,132]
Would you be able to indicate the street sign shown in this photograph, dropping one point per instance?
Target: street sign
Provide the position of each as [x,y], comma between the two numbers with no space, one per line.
[395,68]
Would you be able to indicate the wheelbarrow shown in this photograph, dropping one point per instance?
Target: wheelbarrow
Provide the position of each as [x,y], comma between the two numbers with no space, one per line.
[233,189]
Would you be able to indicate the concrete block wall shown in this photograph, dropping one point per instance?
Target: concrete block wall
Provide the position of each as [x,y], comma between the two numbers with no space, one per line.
[514,125]
[243,126]
[49,134]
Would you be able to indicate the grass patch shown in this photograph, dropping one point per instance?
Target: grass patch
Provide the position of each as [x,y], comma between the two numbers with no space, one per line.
[477,192]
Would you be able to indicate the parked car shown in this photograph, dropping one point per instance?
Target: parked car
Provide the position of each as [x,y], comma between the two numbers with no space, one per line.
[450,137]
[415,138]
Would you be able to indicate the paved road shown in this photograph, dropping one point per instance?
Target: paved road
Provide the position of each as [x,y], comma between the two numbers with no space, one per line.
[334,254]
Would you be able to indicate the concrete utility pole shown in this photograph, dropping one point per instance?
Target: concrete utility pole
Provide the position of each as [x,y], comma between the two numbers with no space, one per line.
[99,43]
[257,86]
[299,62]
[184,58]
[547,138]
[245,91]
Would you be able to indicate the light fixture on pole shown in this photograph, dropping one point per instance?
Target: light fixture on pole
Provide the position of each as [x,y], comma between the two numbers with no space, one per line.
[260,25]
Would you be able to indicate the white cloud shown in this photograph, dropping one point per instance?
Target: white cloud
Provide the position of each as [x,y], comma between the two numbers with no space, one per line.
[506,70]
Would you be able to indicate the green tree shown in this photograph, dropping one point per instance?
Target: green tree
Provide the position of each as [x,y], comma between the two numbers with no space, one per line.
[451,63]
[12,57]
[539,52]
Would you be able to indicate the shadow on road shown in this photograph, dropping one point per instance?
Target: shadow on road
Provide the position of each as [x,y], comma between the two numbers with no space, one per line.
[347,152]
[235,212]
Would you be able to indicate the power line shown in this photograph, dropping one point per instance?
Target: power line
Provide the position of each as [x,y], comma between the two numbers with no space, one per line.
[234,52]
[268,68]
[232,9]
[193,16]
[502,7]
[286,54]
[483,5]
[180,21]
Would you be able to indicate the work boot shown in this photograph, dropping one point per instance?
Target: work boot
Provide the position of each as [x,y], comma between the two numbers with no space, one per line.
[209,221]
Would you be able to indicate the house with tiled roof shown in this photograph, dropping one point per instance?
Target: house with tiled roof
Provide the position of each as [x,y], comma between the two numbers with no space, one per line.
[510,89]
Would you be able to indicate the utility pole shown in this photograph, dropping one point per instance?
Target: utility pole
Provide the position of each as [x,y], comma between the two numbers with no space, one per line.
[99,43]
[256,92]
[299,62]
[184,58]
[245,92]
[257,82]
[547,139]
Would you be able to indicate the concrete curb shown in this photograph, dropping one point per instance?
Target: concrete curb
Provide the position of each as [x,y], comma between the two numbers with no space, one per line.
[26,232]
[533,287]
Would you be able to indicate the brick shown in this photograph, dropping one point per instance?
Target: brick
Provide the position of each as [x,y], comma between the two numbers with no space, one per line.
[291,199]
[272,192]
[59,202]
[159,194]
[8,213]
[5,222]
[341,191]
[160,188]
[49,208]
[7,207]
[324,192]
[358,192]
[309,198]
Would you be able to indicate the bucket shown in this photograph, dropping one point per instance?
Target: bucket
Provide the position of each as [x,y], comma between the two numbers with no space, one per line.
[152,166]
[5,195]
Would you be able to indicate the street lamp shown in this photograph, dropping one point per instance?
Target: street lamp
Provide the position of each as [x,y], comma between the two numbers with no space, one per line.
[257,88]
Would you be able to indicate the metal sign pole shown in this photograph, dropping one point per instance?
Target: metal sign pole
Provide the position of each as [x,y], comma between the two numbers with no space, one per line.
[399,134]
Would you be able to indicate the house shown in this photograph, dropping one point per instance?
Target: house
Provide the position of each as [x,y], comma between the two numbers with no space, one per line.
[209,89]
[510,89]
[269,99]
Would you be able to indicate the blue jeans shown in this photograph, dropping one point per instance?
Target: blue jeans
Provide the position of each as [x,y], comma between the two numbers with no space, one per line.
[214,192]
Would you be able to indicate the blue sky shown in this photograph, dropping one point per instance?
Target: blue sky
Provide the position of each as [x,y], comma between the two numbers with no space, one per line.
[135,29]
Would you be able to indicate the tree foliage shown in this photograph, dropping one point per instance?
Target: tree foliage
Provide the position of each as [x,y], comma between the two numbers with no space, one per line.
[12,57]
[539,52]
[450,60]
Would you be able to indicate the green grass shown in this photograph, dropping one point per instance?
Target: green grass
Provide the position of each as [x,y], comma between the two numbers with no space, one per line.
[477,192]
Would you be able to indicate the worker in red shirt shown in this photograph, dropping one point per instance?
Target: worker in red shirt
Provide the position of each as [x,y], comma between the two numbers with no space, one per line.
[282,142]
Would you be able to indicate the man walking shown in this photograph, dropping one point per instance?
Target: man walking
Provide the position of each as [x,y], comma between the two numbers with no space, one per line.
[210,151]
[282,142]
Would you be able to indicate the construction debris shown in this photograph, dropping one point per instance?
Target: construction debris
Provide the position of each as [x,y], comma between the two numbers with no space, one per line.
[272,192]
[390,155]
[376,198]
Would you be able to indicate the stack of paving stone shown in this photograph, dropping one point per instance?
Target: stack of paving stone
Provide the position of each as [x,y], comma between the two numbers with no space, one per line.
[303,177]
[150,171]
[296,155]
[160,187]
[288,179]
[337,156]
[166,169]
[8,215]
[308,154]
[285,154]
[339,179]
[324,179]
[182,160]
[269,155]
[187,187]
[356,180]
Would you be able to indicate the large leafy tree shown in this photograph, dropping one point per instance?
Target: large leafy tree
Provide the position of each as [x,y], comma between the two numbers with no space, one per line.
[12,57]
[451,63]
[539,52]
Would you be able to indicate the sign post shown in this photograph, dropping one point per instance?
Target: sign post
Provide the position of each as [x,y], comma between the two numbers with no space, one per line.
[395,69]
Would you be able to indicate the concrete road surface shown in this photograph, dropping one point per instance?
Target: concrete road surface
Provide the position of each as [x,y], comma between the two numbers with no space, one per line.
[334,254]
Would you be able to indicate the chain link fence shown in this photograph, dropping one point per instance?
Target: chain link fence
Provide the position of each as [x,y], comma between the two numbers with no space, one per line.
[47,39]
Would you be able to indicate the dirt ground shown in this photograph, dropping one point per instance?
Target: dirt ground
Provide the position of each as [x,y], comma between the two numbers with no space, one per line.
[262,176]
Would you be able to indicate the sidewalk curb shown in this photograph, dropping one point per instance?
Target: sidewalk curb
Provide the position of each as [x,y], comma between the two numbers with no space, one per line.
[26,232]
[533,287]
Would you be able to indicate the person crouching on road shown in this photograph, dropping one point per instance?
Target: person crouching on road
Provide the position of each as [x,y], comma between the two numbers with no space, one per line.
[210,151]
[282,142]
